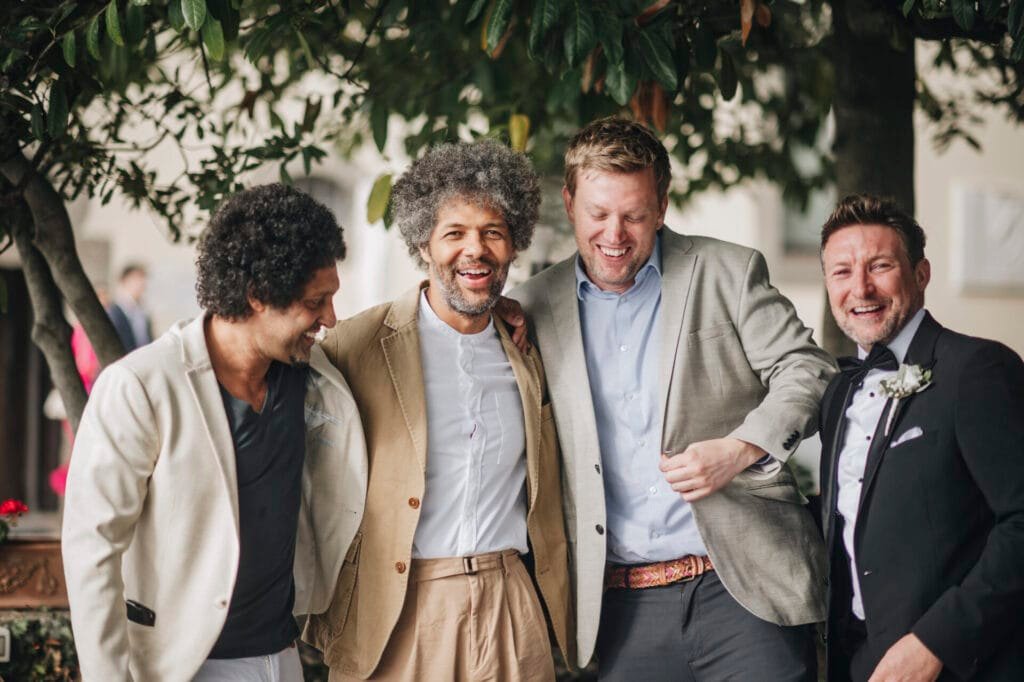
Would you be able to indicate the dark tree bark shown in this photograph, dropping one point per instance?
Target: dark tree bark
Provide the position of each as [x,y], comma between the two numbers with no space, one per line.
[50,331]
[874,110]
[54,239]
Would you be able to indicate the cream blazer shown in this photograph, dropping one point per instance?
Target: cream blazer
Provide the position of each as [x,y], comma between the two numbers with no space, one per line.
[734,361]
[151,512]
[378,351]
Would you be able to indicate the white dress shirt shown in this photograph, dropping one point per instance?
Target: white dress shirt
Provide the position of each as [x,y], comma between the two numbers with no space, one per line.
[475,497]
[862,418]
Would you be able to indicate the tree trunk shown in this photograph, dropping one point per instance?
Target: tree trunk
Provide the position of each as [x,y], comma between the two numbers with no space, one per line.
[874,110]
[50,331]
[55,240]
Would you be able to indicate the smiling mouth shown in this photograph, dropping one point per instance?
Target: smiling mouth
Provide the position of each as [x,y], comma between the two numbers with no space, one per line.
[866,310]
[475,275]
[316,334]
[609,252]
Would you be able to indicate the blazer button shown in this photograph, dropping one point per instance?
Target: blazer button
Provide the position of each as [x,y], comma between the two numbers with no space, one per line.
[600,529]
[414,503]
[400,566]
[597,468]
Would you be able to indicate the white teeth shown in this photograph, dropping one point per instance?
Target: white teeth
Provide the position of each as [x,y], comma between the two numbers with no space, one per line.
[867,308]
[319,335]
[474,272]
[613,253]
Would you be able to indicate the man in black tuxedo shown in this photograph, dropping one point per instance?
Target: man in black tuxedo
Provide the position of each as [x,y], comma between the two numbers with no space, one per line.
[922,471]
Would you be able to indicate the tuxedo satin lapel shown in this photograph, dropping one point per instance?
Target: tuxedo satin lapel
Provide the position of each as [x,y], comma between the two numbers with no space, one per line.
[920,352]
[402,353]
[529,394]
[206,391]
[677,267]
[835,428]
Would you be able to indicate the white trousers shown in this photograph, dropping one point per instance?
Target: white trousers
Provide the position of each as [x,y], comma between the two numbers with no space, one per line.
[284,666]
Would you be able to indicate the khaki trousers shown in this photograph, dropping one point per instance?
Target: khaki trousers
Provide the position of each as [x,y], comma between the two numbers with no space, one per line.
[474,619]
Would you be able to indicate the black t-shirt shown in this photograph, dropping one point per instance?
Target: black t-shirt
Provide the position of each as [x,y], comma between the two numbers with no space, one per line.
[270,448]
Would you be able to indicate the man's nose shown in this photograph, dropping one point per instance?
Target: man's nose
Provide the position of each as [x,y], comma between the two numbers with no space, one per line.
[863,286]
[329,319]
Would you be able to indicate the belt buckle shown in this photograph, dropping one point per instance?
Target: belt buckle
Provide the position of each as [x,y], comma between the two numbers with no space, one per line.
[469,565]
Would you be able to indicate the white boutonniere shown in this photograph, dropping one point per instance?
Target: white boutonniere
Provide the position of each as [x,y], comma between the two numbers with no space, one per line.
[909,379]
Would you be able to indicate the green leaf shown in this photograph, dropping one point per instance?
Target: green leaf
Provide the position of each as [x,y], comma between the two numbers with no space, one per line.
[608,28]
[175,16]
[990,9]
[213,38]
[286,177]
[474,11]
[1015,20]
[57,115]
[68,46]
[379,125]
[380,195]
[304,44]
[727,77]
[38,123]
[194,12]
[500,16]
[620,82]
[580,36]
[518,131]
[92,38]
[114,24]
[135,24]
[658,57]
[908,5]
[963,13]
[545,14]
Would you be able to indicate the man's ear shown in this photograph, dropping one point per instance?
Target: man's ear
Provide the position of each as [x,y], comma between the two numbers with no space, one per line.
[922,273]
[662,209]
[255,304]
[425,253]
[567,200]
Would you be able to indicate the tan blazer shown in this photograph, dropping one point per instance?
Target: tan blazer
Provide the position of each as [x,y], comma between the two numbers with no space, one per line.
[378,351]
[735,361]
[151,512]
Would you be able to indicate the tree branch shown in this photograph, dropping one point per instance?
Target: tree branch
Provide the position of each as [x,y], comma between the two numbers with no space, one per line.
[51,333]
[56,242]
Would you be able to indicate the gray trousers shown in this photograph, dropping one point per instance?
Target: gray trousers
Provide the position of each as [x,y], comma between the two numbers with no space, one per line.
[696,632]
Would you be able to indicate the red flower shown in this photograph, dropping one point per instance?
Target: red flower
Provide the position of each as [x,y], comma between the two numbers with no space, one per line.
[12,507]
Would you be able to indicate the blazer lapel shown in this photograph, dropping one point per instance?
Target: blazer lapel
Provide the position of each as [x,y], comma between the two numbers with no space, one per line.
[530,396]
[921,352]
[206,392]
[834,429]
[402,353]
[677,267]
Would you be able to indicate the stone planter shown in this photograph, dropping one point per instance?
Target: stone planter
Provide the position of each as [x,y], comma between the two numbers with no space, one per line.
[32,575]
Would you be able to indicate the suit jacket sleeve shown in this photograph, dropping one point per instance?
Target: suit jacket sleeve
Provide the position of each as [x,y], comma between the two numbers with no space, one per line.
[780,350]
[114,456]
[971,619]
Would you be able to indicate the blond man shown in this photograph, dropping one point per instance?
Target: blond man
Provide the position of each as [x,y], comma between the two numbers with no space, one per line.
[464,475]
[694,556]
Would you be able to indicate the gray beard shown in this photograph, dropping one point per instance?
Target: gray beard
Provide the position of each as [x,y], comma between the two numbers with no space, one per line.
[452,295]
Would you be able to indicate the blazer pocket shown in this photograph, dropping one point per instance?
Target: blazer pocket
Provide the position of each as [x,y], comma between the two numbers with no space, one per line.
[707,333]
[140,614]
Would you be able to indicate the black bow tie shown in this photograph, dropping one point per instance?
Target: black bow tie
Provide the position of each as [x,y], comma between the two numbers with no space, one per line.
[880,357]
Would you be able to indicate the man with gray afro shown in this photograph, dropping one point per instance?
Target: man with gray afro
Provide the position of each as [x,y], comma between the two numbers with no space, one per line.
[464,473]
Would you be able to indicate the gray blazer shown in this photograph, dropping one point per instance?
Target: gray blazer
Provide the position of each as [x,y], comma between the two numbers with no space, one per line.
[735,361]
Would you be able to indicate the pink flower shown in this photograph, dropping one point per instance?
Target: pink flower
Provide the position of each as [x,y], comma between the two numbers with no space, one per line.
[12,507]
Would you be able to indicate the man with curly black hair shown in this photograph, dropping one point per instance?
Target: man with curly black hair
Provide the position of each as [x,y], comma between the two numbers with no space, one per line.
[464,462]
[219,473]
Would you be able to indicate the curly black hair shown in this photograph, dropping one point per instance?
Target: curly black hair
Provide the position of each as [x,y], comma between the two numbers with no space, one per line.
[266,242]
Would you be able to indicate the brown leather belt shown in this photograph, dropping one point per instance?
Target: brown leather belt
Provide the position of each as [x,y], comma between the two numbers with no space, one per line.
[657,574]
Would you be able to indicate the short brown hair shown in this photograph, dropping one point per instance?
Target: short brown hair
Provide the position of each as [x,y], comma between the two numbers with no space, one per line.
[866,209]
[617,145]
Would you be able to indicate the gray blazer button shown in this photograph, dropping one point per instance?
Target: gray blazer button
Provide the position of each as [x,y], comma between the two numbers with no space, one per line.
[600,529]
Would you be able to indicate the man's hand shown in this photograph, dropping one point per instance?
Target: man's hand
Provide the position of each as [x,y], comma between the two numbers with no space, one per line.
[707,466]
[511,313]
[908,660]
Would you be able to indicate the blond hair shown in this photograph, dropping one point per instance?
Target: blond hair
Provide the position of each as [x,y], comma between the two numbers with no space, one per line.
[617,145]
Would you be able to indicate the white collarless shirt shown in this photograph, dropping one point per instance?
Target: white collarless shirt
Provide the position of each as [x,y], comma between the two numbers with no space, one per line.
[475,496]
[861,420]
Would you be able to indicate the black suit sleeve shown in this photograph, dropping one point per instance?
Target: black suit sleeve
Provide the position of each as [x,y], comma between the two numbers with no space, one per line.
[970,620]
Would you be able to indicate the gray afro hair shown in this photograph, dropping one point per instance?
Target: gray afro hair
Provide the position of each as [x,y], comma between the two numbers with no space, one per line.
[483,171]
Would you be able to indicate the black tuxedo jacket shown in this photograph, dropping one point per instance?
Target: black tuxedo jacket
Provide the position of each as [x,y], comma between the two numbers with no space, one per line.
[940,531]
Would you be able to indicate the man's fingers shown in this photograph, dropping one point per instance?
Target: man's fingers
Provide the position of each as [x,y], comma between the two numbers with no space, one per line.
[670,462]
[698,494]
[520,339]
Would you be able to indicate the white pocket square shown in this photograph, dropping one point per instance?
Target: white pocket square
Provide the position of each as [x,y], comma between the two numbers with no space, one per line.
[910,434]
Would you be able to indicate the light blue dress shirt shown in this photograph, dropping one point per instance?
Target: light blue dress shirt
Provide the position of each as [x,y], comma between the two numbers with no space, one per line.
[647,520]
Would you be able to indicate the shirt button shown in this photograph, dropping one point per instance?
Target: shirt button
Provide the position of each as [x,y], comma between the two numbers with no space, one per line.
[600,529]
[643,442]
[654,490]
[222,603]
[867,437]
[597,468]
[866,573]
[400,566]
[623,348]
[414,503]
[872,394]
